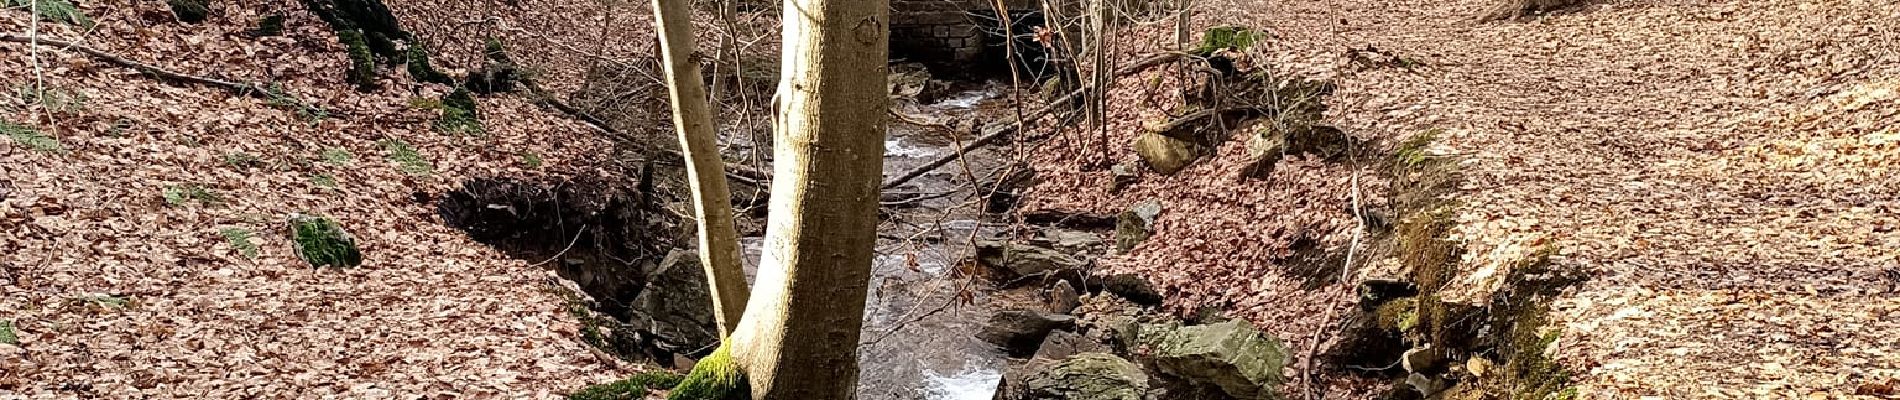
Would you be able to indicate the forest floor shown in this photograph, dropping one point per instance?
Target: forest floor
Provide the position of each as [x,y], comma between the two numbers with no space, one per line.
[143,244]
[1723,171]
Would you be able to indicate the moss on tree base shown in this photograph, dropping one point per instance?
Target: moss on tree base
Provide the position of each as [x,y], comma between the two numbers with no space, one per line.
[716,377]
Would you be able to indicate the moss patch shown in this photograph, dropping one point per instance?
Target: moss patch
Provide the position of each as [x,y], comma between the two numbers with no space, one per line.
[421,69]
[322,242]
[7,334]
[459,114]
[54,10]
[362,61]
[633,388]
[1226,38]
[190,11]
[716,377]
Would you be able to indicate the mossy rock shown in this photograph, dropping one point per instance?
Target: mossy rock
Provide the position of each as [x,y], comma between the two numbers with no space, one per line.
[322,242]
[1086,376]
[1232,357]
[715,377]
[633,388]
[1165,154]
[1227,38]
[190,11]
[459,114]
[362,62]
[1136,224]
[421,69]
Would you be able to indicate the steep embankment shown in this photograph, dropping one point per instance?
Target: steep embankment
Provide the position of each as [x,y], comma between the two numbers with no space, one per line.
[1722,171]
[143,244]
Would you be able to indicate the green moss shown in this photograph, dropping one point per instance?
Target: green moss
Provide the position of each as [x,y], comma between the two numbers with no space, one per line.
[531,159]
[270,25]
[1412,152]
[716,377]
[633,388]
[362,61]
[190,11]
[7,335]
[1227,38]
[337,155]
[407,158]
[322,242]
[325,181]
[181,195]
[31,138]
[459,115]
[240,239]
[421,69]
[54,10]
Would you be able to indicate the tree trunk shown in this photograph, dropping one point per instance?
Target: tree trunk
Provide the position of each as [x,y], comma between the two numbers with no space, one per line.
[712,200]
[799,337]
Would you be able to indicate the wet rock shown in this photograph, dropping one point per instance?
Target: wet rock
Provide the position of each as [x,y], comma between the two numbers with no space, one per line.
[1231,357]
[1089,376]
[912,81]
[1062,298]
[1165,154]
[1014,262]
[675,307]
[1425,385]
[1020,332]
[1062,344]
[1422,359]
[1135,225]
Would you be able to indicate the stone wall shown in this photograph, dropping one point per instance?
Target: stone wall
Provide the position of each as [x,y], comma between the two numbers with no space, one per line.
[945,33]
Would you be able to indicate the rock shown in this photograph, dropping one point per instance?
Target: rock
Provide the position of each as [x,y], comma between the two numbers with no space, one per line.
[1135,225]
[1089,376]
[1165,154]
[1020,332]
[190,11]
[675,307]
[1421,359]
[1062,297]
[1478,366]
[1232,357]
[1014,261]
[1425,385]
[1062,344]
[912,81]
[1265,148]
[1126,173]
[1131,287]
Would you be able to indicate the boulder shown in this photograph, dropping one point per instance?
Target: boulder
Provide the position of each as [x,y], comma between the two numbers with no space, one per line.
[1135,225]
[1231,357]
[1131,287]
[1062,297]
[1012,261]
[1088,376]
[1165,154]
[675,307]
[1020,332]
[1063,344]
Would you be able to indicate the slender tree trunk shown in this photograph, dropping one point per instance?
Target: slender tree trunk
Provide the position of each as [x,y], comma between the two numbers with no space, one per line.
[712,200]
[799,337]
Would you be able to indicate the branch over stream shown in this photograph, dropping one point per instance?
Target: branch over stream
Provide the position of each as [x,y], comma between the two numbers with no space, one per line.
[995,132]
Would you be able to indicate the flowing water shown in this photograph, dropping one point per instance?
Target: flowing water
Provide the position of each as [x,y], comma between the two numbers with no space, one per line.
[920,320]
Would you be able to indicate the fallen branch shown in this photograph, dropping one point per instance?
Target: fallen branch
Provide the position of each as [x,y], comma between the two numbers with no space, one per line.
[998,131]
[241,88]
[736,172]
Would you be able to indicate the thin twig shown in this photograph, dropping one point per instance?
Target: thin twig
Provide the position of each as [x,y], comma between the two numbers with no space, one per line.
[570,246]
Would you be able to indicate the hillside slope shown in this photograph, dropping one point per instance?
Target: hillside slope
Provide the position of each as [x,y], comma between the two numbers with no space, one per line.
[1723,172]
[115,291]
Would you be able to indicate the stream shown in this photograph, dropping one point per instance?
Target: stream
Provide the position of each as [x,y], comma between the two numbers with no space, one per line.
[919,339]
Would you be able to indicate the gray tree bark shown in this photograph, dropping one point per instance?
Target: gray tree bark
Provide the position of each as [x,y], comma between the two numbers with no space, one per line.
[798,339]
[699,143]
